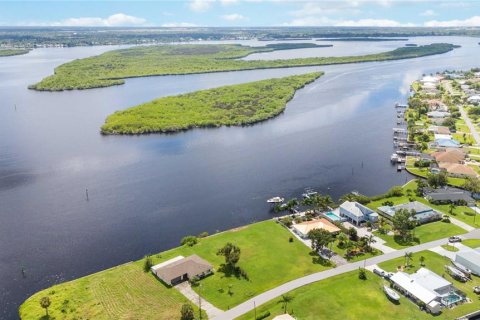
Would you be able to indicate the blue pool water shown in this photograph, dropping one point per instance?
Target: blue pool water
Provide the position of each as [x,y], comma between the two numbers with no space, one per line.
[451,298]
[333,216]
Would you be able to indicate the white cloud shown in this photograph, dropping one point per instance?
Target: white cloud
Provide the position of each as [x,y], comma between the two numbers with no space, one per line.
[233,17]
[372,23]
[324,21]
[470,22]
[115,20]
[428,13]
[200,5]
[178,25]
[228,2]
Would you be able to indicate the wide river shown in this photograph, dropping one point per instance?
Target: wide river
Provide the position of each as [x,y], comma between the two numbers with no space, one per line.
[146,192]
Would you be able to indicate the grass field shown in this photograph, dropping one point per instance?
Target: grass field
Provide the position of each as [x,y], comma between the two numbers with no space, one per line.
[111,68]
[450,247]
[123,292]
[13,52]
[240,104]
[472,243]
[126,292]
[424,233]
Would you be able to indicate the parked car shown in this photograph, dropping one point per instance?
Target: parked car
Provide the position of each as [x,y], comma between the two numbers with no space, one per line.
[388,275]
[454,239]
[379,272]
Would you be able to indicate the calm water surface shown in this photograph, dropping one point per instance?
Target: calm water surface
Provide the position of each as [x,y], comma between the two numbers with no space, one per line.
[146,192]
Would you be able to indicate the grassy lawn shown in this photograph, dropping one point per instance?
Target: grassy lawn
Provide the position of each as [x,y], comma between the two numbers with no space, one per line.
[13,52]
[436,262]
[235,105]
[423,172]
[424,233]
[450,247]
[472,243]
[123,292]
[266,255]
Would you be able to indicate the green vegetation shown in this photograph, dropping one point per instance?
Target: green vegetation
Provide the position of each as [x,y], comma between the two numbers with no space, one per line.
[472,243]
[127,291]
[111,68]
[123,292]
[450,247]
[424,233]
[230,105]
[13,52]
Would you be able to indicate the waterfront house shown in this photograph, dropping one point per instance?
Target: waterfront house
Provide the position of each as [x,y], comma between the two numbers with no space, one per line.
[432,79]
[423,213]
[181,269]
[303,228]
[438,114]
[457,170]
[469,259]
[439,130]
[427,287]
[357,213]
[449,195]
[446,143]
[449,155]
[474,99]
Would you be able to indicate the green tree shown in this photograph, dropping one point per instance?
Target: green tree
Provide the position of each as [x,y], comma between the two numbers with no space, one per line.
[403,223]
[148,263]
[472,185]
[286,299]
[189,241]
[187,312]
[342,238]
[352,234]
[369,239]
[422,261]
[408,258]
[231,253]
[45,303]
[320,238]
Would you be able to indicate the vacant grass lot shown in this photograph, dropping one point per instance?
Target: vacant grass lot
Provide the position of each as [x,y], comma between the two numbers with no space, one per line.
[436,263]
[230,105]
[111,68]
[123,292]
[472,243]
[424,233]
[126,292]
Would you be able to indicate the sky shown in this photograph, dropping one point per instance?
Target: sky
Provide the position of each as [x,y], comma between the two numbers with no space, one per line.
[247,13]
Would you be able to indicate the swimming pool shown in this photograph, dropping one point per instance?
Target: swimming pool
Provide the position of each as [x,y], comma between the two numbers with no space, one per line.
[451,298]
[332,216]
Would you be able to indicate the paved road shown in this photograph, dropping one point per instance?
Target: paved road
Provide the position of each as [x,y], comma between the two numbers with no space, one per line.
[294,284]
[469,123]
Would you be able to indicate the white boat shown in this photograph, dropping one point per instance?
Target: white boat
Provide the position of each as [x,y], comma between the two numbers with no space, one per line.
[462,268]
[455,273]
[309,193]
[391,293]
[275,200]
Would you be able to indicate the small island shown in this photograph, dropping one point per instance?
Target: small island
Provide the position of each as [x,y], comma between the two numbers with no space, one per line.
[13,52]
[113,67]
[362,39]
[234,105]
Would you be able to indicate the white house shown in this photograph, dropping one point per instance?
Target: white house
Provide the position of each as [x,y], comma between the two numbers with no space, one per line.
[427,287]
[474,99]
[438,114]
[429,79]
[357,213]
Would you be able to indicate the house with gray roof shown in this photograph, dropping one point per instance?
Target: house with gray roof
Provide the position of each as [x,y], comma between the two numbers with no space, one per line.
[181,269]
[449,195]
[423,213]
[357,213]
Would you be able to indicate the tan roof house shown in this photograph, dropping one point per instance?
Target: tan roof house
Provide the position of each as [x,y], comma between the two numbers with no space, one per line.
[303,228]
[457,170]
[439,130]
[450,155]
[180,269]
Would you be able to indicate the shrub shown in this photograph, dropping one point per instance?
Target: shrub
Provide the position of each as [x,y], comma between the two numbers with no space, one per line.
[203,234]
[362,274]
[148,263]
[290,239]
[189,241]
[263,315]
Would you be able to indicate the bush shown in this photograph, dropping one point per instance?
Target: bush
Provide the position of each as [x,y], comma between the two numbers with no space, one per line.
[387,203]
[148,263]
[446,219]
[203,234]
[263,315]
[362,274]
[290,239]
[189,241]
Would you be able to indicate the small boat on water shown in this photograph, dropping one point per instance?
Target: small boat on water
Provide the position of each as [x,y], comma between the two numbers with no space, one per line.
[276,200]
[391,293]
[309,193]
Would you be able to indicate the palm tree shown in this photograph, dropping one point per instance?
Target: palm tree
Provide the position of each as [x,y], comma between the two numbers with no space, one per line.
[342,238]
[422,260]
[369,240]
[45,303]
[286,298]
[408,257]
